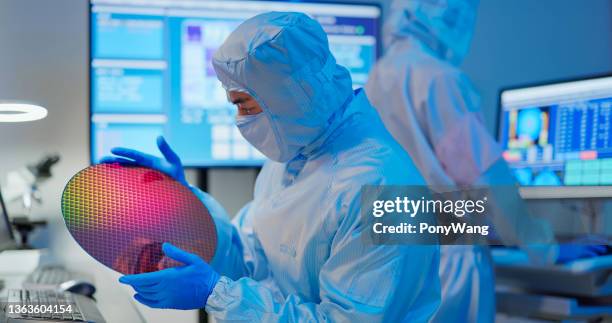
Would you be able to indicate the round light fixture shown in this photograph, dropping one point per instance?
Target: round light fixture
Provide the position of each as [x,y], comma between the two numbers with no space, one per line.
[21,112]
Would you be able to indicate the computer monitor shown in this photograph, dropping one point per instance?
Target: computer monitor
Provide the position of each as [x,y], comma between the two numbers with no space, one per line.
[151,72]
[7,239]
[557,138]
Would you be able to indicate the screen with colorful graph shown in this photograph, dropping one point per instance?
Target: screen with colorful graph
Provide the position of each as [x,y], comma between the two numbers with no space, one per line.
[559,134]
[121,216]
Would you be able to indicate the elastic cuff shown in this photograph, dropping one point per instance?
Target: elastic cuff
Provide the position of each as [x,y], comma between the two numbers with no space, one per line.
[220,297]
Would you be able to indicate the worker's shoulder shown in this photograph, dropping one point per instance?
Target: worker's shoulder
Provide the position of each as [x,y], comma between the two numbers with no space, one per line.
[372,160]
[431,69]
[421,66]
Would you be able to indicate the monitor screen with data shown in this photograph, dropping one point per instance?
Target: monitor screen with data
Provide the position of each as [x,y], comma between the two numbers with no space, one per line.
[151,72]
[559,134]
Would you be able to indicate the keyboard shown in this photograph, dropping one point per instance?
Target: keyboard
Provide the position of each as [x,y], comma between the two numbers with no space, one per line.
[51,305]
[49,275]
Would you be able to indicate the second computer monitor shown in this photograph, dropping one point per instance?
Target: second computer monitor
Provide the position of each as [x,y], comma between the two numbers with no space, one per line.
[151,72]
[560,136]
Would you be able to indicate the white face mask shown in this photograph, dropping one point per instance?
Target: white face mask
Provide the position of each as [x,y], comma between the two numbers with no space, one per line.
[257,130]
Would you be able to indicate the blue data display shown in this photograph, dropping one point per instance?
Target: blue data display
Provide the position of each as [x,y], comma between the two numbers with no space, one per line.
[559,134]
[151,72]
[127,36]
[117,90]
[112,135]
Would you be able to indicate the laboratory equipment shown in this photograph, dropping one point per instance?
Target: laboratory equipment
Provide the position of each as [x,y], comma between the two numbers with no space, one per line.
[579,290]
[24,182]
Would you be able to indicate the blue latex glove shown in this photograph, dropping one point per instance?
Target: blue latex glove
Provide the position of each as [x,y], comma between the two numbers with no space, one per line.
[170,165]
[185,288]
[585,247]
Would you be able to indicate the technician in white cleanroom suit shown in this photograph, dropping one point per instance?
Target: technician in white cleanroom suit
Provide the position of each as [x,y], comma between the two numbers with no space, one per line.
[432,110]
[295,253]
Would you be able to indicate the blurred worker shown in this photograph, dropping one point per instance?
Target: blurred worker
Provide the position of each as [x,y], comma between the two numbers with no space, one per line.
[296,253]
[431,108]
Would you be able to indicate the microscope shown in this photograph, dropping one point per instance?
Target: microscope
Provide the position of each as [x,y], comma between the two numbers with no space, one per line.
[23,184]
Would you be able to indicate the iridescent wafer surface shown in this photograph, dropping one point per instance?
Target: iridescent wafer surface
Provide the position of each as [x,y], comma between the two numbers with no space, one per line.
[121,215]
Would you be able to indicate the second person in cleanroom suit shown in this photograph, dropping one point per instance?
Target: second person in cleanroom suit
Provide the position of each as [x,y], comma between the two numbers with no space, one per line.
[295,252]
[431,108]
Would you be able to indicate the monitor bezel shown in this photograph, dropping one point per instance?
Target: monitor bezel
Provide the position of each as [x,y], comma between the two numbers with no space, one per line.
[553,192]
[209,166]
[7,222]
